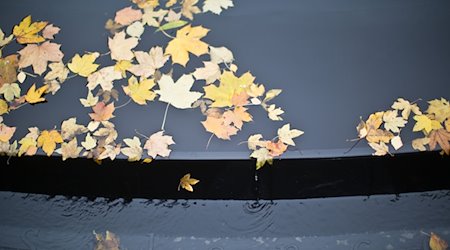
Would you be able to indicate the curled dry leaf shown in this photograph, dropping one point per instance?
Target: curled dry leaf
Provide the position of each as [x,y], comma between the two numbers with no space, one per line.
[187,182]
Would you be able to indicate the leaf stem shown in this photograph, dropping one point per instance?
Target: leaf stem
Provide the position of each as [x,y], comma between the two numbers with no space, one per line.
[165,117]
[353,146]
[167,34]
[140,134]
[29,74]
[123,105]
[209,141]
[71,76]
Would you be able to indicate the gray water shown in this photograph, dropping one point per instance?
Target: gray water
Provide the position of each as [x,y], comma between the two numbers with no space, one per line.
[32,221]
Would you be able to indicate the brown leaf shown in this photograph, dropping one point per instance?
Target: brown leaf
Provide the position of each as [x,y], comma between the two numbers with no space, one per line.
[379,135]
[441,137]
[276,149]
[50,31]
[8,69]
[102,112]
[39,55]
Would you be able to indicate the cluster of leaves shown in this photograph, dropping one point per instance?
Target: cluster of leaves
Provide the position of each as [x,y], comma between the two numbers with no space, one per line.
[383,128]
[225,101]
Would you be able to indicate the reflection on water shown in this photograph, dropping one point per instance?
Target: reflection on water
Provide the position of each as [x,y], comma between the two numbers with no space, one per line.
[29,221]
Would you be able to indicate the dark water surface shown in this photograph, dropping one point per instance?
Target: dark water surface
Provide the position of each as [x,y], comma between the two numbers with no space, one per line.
[30,221]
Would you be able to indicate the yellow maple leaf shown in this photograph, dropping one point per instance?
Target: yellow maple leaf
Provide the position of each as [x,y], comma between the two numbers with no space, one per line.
[27,145]
[84,66]
[426,124]
[35,96]
[440,109]
[140,91]
[187,182]
[48,139]
[27,32]
[262,156]
[187,40]
[230,85]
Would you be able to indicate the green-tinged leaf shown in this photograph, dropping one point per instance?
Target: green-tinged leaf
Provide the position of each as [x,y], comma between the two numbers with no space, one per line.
[172,25]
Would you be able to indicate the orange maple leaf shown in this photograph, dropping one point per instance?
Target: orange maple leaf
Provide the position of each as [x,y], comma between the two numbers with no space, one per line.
[102,112]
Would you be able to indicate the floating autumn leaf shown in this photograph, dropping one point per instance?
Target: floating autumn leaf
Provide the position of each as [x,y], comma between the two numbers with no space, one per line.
[8,69]
[112,26]
[153,18]
[122,67]
[216,6]
[177,94]
[380,148]
[109,242]
[158,144]
[3,107]
[172,16]
[419,144]
[276,148]
[10,91]
[392,122]
[28,144]
[396,142]
[148,62]
[107,134]
[237,117]
[271,94]
[406,107]
[220,55]
[39,55]
[89,142]
[102,112]
[5,40]
[370,129]
[84,66]
[104,77]
[219,128]
[437,243]
[187,40]
[70,128]
[134,149]
[230,85]
[189,9]
[69,149]
[136,29]
[35,95]
[441,137]
[254,141]
[110,151]
[256,91]
[27,32]
[50,31]
[121,47]
[146,4]
[286,134]
[140,91]
[274,113]
[426,124]
[8,149]
[262,156]
[127,16]
[6,132]
[440,109]
[90,100]
[48,140]
[210,73]
[187,182]
[58,72]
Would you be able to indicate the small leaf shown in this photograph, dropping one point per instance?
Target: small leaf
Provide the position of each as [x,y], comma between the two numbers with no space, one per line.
[35,95]
[187,182]
[172,25]
[436,243]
